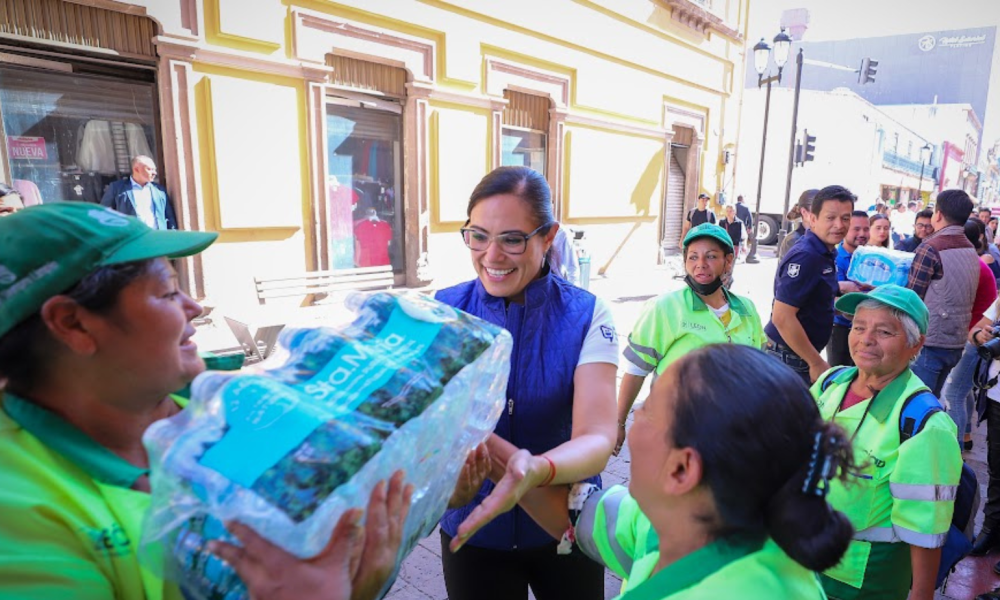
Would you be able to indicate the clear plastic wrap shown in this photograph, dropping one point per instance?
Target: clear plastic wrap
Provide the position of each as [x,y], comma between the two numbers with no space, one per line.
[875,266]
[411,384]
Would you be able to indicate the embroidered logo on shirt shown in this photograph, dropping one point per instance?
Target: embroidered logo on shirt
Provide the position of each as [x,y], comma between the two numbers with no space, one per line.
[112,540]
[694,326]
[828,270]
[793,270]
[609,334]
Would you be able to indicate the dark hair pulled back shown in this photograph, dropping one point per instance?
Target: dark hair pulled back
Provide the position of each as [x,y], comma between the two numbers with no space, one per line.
[527,184]
[25,350]
[975,232]
[755,430]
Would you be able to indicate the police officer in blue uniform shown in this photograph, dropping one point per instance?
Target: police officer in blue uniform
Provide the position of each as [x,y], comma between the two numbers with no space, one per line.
[805,286]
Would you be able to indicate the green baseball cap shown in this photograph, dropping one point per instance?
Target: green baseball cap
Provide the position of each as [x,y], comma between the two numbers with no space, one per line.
[712,231]
[892,295]
[48,248]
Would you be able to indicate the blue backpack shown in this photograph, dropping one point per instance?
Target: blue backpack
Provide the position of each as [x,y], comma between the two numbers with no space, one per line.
[917,410]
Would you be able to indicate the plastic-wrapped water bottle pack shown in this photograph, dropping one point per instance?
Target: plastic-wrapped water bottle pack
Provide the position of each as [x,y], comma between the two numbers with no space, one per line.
[411,384]
[875,266]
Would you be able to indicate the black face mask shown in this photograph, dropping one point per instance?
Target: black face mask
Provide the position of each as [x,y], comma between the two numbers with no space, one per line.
[703,289]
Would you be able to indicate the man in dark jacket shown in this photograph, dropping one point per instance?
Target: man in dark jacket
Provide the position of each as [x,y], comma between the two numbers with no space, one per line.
[139,197]
[743,213]
[921,229]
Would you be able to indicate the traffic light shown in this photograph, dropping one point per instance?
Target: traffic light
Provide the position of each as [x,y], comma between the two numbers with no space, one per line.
[808,146]
[866,74]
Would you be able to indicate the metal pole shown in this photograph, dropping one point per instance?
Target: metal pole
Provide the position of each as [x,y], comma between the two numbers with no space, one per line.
[752,255]
[920,185]
[791,147]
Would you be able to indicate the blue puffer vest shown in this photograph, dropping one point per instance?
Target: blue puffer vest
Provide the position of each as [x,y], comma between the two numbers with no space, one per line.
[548,331]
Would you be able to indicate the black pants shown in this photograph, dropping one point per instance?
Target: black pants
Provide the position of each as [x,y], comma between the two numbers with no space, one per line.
[789,358]
[483,574]
[838,352]
[991,512]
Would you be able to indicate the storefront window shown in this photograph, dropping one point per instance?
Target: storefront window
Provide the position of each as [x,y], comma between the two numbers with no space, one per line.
[523,148]
[70,135]
[364,188]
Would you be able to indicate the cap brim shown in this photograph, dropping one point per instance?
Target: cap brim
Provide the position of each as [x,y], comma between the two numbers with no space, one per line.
[728,244]
[848,303]
[161,243]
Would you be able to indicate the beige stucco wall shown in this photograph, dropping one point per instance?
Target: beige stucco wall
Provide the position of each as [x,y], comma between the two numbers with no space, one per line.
[242,87]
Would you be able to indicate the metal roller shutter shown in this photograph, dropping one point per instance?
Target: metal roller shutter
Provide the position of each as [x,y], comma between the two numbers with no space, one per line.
[367,76]
[673,215]
[526,111]
[70,23]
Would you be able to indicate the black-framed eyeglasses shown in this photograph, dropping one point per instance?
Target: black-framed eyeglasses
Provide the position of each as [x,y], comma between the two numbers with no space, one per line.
[511,242]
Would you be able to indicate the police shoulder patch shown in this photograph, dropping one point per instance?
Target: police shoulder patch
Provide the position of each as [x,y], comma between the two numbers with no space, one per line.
[794,269]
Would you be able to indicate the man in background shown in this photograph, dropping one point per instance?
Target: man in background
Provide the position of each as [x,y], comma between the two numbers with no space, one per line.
[921,229]
[800,212]
[838,353]
[945,274]
[697,216]
[743,213]
[138,196]
[805,287]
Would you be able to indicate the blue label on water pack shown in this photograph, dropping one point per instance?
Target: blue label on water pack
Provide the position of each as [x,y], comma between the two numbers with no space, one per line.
[362,367]
[267,420]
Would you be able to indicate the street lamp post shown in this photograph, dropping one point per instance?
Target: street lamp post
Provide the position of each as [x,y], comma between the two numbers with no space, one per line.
[791,145]
[761,56]
[923,161]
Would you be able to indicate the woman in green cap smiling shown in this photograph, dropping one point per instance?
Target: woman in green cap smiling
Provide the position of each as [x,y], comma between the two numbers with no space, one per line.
[701,313]
[901,501]
[95,334]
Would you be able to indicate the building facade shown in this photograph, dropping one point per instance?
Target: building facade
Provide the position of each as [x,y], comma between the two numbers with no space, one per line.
[337,136]
[858,145]
[957,130]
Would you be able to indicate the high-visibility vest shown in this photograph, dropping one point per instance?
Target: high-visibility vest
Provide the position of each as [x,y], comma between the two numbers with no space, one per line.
[675,324]
[69,530]
[904,493]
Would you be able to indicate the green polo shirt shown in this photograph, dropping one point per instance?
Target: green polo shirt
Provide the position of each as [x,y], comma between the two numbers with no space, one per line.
[71,524]
[901,496]
[612,530]
[674,324]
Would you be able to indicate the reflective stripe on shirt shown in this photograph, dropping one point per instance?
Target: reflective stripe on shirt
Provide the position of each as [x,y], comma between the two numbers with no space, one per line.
[609,503]
[929,493]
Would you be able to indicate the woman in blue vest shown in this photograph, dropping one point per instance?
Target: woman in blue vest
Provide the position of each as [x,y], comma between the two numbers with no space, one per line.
[561,394]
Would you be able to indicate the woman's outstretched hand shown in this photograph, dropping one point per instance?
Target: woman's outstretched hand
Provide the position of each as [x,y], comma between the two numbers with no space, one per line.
[523,473]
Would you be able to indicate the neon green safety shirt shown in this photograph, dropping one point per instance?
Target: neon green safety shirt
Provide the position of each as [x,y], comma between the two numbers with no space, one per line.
[903,495]
[612,530]
[71,523]
[674,324]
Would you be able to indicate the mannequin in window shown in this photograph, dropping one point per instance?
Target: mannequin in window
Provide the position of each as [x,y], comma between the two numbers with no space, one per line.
[372,237]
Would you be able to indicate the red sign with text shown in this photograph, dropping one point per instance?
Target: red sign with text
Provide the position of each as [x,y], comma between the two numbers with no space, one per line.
[31,148]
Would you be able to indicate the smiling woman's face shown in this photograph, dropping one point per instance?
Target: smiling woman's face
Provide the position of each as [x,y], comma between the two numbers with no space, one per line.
[506,275]
[878,342]
[147,335]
